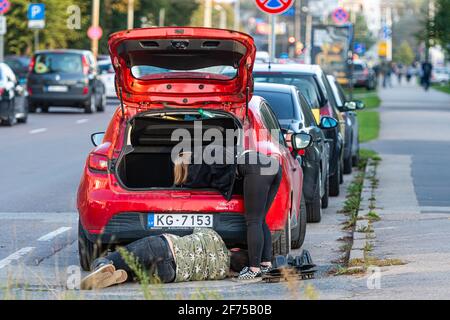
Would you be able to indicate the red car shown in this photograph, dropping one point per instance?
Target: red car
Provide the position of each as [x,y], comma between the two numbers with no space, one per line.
[176,78]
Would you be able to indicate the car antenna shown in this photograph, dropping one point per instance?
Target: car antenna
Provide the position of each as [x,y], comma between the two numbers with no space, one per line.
[121,103]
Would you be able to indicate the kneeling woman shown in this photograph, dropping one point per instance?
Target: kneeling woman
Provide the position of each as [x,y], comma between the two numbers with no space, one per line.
[261,179]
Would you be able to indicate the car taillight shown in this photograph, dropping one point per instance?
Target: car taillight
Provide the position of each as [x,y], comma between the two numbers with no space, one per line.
[30,91]
[98,162]
[301,152]
[31,65]
[85,90]
[85,65]
[2,91]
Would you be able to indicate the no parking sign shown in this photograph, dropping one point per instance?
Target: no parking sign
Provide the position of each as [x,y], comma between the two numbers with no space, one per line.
[274,7]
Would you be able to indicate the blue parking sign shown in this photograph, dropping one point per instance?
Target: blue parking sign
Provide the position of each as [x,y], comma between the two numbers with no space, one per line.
[36,11]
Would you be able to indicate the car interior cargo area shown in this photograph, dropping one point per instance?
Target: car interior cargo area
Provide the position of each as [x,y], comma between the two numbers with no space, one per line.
[146,160]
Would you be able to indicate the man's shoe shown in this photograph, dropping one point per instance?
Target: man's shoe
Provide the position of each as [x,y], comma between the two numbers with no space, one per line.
[249,276]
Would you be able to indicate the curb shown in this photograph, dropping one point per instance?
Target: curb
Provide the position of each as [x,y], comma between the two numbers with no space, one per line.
[361,238]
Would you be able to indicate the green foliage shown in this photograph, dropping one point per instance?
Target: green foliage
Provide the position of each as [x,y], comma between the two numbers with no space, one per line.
[362,33]
[442,25]
[404,54]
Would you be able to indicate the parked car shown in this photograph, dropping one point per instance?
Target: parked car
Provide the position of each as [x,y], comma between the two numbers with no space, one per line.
[440,75]
[363,76]
[126,190]
[19,64]
[13,98]
[65,78]
[311,81]
[348,108]
[108,76]
[295,115]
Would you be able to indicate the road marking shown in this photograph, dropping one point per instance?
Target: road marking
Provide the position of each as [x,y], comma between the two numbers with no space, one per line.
[81,121]
[53,234]
[15,256]
[38,130]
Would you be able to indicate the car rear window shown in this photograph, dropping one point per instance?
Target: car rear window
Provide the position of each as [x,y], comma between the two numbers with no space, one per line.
[219,72]
[58,63]
[304,83]
[280,102]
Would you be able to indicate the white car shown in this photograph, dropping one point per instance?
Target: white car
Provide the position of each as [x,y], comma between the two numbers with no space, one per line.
[440,75]
[107,76]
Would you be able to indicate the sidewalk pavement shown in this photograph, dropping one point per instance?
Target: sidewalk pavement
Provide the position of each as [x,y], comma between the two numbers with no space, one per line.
[413,197]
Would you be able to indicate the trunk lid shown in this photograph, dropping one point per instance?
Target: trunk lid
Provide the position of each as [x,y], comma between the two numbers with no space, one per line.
[182,67]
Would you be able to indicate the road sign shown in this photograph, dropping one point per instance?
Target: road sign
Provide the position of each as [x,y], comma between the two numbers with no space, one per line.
[95,33]
[340,16]
[360,48]
[2,25]
[274,7]
[382,49]
[5,5]
[36,11]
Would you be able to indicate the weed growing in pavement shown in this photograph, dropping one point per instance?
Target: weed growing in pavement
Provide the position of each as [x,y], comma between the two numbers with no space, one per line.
[372,261]
[365,229]
[373,216]
[341,270]
[368,247]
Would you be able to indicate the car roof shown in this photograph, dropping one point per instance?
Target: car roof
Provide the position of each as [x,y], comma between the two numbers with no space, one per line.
[63,51]
[274,87]
[288,68]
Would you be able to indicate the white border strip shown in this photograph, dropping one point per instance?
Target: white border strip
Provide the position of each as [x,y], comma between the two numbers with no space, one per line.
[15,256]
[53,234]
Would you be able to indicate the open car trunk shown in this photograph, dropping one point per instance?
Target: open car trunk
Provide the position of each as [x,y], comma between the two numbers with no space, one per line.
[146,161]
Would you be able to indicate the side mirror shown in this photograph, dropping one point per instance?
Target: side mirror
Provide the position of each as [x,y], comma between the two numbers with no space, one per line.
[360,105]
[328,123]
[97,138]
[301,141]
[350,106]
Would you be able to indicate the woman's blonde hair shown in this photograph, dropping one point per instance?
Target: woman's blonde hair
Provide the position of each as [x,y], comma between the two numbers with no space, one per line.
[181,168]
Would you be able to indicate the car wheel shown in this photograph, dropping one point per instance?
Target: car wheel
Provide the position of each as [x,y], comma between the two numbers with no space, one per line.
[11,120]
[102,104]
[32,108]
[87,250]
[44,109]
[23,120]
[90,106]
[298,234]
[326,194]
[341,172]
[334,181]
[355,158]
[283,244]
[348,165]
[314,208]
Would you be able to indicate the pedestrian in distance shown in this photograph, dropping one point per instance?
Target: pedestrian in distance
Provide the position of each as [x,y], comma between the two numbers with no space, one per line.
[427,68]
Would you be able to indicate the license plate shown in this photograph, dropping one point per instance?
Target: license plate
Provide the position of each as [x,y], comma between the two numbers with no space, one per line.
[57,89]
[156,220]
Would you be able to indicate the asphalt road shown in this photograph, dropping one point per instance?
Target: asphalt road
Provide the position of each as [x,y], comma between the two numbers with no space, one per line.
[41,166]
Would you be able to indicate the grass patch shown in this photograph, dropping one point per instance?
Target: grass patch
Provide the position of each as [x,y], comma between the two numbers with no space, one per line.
[443,88]
[369,97]
[371,261]
[369,125]
[373,216]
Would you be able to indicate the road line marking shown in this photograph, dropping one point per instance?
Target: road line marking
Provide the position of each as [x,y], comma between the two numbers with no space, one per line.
[15,256]
[53,234]
[81,121]
[38,130]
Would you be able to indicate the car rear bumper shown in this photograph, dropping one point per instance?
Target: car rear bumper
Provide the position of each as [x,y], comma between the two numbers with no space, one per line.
[131,226]
[60,99]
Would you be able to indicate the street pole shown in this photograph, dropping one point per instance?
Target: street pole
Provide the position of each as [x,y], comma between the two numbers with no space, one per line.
[389,38]
[130,14]
[298,21]
[2,44]
[237,15]
[273,38]
[95,23]
[207,18]
[36,40]
[223,17]
[308,35]
[162,17]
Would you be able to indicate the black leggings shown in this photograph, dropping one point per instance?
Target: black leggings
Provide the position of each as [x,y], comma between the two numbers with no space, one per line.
[153,253]
[260,189]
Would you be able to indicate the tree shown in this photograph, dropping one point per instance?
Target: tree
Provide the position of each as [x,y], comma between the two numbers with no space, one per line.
[404,54]
[362,33]
[19,39]
[442,25]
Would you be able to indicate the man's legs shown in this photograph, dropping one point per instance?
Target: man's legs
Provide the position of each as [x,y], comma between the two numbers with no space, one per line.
[150,252]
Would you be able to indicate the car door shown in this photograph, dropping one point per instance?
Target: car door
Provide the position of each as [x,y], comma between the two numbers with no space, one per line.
[291,165]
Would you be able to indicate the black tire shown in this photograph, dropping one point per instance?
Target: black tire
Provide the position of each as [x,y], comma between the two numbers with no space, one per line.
[90,106]
[32,108]
[44,109]
[335,182]
[326,195]
[87,250]
[341,172]
[314,208]
[348,165]
[23,120]
[12,120]
[102,104]
[355,158]
[299,232]
[282,246]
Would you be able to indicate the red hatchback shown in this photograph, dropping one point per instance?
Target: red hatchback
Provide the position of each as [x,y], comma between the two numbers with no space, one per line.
[194,79]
